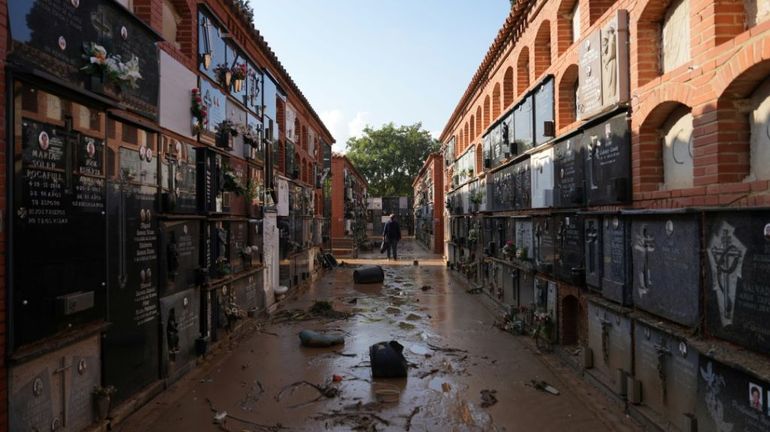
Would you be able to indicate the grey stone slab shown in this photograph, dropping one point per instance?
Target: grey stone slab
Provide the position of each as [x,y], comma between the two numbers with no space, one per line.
[180,327]
[666,263]
[616,242]
[544,243]
[610,340]
[667,367]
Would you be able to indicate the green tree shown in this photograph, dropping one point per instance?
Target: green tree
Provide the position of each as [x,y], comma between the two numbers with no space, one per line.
[390,157]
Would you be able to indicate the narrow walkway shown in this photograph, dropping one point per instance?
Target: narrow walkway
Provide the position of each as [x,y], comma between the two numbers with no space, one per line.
[455,351]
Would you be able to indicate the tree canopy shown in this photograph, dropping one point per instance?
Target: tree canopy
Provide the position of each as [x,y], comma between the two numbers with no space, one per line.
[390,157]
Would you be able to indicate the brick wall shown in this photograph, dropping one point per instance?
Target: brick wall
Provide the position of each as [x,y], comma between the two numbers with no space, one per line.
[727,63]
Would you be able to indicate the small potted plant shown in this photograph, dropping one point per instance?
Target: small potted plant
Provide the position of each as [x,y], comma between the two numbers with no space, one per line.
[102,400]
[226,130]
[509,250]
[239,72]
[224,74]
[199,112]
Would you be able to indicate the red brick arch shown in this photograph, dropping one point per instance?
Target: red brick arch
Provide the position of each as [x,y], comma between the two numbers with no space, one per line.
[542,48]
[564,26]
[647,150]
[566,96]
[522,71]
[496,101]
[473,129]
[479,127]
[507,87]
[486,112]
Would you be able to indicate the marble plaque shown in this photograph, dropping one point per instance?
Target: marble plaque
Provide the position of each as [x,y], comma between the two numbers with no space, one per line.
[523,133]
[55,388]
[131,342]
[590,75]
[522,184]
[179,260]
[603,67]
[176,84]
[738,277]
[501,186]
[541,166]
[215,102]
[616,251]
[569,250]
[668,370]
[60,198]
[179,181]
[544,111]
[180,327]
[592,233]
[730,400]
[544,238]
[569,185]
[678,151]
[607,148]
[523,282]
[610,340]
[524,238]
[237,115]
[665,263]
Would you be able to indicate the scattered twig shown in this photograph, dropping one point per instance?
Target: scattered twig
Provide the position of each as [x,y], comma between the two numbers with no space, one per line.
[427,374]
[410,417]
[488,398]
[325,391]
[446,349]
[224,415]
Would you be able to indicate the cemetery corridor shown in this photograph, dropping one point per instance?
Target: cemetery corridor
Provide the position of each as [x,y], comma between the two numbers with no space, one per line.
[460,363]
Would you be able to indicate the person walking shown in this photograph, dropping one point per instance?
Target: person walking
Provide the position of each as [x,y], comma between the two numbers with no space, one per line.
[391,233]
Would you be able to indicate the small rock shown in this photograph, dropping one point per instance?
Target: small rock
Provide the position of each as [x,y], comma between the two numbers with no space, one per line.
[406,326]
[426,287]
[413,317]
[393,310]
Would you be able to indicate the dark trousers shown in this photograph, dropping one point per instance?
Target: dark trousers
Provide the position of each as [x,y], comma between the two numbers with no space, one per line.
[393,248]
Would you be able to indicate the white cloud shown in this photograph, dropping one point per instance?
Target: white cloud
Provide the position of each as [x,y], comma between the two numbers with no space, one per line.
[435,134]
[334,120]
[357,125]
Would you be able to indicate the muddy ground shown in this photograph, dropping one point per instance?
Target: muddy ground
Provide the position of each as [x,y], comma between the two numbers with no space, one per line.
[465,374]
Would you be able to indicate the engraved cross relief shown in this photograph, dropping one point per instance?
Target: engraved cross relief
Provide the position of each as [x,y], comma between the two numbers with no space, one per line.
[62,372]
[645,243]
[662,353]
[592,238]
[606,327]
[726,254]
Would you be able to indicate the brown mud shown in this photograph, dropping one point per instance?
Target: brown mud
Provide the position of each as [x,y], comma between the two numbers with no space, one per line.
[464,375]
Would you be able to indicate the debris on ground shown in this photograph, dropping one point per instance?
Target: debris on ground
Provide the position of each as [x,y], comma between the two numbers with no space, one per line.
[426,287]
[476,290]
[447,349]
[413,317]
[415,262]
[220,418]
[393,310]
[410,417]
[488,398]
[319,309]
[324,391]
[310,338]
[336,378]
[386,393]
[446,387]
[387,360]
[249,402]
[405,325]
[427,374]
[544,386]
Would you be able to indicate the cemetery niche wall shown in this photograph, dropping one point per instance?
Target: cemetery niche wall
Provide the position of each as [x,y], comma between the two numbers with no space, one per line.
[610,346]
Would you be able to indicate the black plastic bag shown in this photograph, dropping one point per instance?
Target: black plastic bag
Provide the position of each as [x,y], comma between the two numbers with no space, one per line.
[384,246]
[387,360]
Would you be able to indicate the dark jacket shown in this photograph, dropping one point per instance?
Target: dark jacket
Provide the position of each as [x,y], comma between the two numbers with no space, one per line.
[392,230]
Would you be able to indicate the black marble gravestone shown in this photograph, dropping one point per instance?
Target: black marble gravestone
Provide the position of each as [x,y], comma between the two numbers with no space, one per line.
[52,36]
[179,183]
[523,122]
[501,185]
[180,327]
[238,245]
[730,400]
[131,342]
[59,199]
[216,237]
[544,112]
[569,260]
[667,368]
[522,185]
[666,261]
[179,259]
[616,256]
[568,164]
[544,238]
[738,277]
[210,181]
[592,233]
[607,148]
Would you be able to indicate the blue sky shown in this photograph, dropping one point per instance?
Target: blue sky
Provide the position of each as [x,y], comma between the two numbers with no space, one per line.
[362,62]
